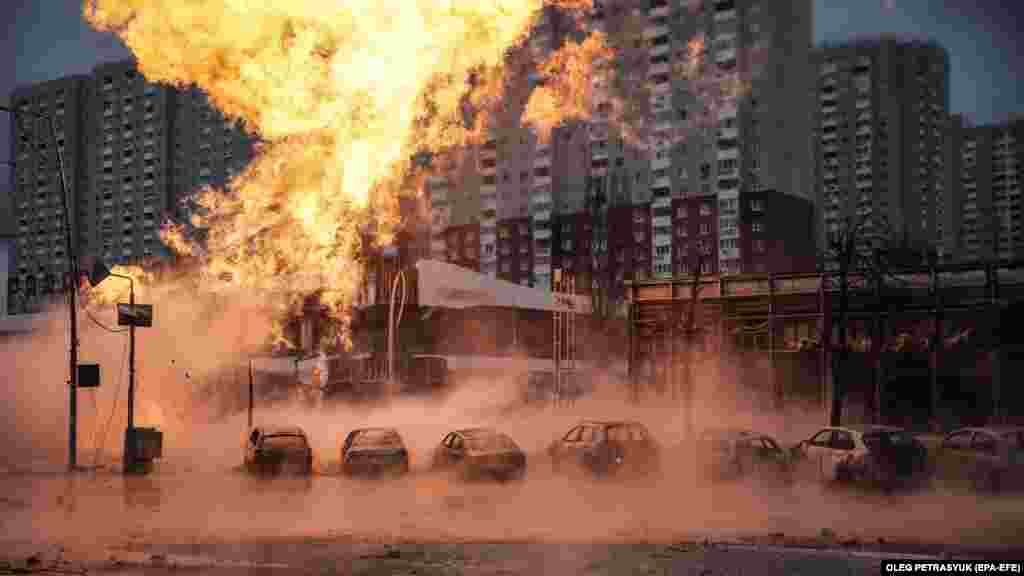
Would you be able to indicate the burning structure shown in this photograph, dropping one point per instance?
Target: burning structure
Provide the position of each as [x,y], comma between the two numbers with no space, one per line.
[433,323]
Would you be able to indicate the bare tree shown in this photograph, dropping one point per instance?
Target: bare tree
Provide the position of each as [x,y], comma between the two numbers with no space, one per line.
[873,256]
[691,335]
[843,250]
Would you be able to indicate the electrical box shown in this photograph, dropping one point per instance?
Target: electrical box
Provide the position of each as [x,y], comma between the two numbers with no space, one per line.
[144,444]
[88,375]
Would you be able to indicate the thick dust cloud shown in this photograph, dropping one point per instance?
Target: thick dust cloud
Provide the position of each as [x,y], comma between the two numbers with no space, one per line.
[196,494]
[176,360]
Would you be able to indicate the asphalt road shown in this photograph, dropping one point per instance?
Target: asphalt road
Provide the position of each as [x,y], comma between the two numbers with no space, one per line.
[223,522]
[348,557]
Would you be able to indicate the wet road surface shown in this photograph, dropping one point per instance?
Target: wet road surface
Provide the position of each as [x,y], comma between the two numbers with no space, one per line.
[224,522]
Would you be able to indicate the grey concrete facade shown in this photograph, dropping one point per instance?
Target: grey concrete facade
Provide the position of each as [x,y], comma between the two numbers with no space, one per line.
[132,151]
[986,190]
[881,131]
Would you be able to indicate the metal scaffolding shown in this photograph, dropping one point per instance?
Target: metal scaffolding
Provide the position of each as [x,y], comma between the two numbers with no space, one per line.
[564,334]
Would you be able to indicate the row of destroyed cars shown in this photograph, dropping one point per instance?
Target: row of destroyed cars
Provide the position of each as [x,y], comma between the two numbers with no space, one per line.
[989,459]
[604,448]
[982,459]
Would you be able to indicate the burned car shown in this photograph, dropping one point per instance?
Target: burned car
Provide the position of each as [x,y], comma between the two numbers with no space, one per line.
[272,451]
[604,448]
[884,456]
[726,454]
[479,453]
[984,459]
[374,451]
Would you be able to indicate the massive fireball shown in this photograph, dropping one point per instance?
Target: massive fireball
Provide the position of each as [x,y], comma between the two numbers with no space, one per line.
[342,96]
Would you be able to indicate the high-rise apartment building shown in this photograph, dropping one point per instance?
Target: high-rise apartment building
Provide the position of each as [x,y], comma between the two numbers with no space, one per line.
[728,85]
[131,149]
[985,217]
[37,201]
[126,145]
[208,150]
[881,134]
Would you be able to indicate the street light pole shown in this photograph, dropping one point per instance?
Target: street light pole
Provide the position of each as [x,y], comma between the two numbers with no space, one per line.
[72,292]
[131,350]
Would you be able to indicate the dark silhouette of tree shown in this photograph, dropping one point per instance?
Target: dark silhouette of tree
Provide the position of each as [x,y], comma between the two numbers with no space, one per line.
[872,257]
[692,335]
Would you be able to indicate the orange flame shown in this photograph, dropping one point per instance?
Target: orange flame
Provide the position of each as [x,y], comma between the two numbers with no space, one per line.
[343,95]
[567,93]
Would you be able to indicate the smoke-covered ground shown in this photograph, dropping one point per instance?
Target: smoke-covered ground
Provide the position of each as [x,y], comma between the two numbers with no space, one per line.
[196,495]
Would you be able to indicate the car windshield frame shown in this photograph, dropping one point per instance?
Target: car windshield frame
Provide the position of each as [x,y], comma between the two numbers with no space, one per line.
[291,442]
[376,439]
[1014,439]
[490,443]
[884,438]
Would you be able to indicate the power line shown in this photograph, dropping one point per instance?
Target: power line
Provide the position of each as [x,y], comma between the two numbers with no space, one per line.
[101,325]
[113,408]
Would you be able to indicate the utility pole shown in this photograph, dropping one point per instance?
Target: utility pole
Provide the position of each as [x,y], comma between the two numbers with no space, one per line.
[877,337]
[556,316]
[72,293]
[937,339]
[251,386]
[131,355]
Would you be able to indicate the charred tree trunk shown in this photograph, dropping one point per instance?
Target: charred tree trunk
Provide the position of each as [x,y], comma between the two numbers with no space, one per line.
[690,335]
[838,386]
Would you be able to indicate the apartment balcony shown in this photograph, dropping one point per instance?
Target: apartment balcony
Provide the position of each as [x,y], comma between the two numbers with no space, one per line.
[542,252]
[725,15]
[663,88]
[488,190]
[542,216]
[541,181]
[598,132]
[728,153]
[725,55]
[599,153]
[541,270]
[729,132]
[863,172]
[661,239]
[488,202]
[655,31]
[660,49]
[661,201]
[661,163]
[663,68]
[487,153]
[658,12]
[662,221]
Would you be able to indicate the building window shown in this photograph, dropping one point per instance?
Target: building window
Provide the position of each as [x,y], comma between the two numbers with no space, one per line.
[757,227]
[756,206]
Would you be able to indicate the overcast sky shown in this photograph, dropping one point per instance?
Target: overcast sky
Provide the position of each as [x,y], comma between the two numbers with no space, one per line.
[46,39]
